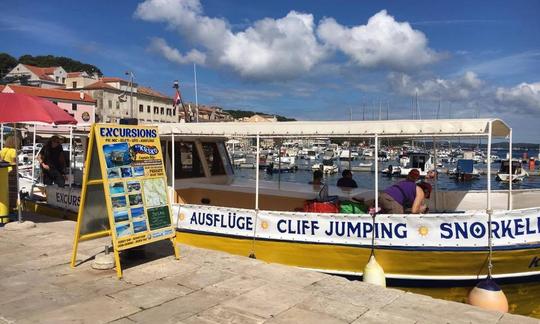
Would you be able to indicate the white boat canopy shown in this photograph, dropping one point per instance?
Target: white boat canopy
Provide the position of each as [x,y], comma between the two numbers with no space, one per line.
[382,128]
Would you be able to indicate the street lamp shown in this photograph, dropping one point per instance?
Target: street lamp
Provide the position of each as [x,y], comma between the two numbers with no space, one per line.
[131,120]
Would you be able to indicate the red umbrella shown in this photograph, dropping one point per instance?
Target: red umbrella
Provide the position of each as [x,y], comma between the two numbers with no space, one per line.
[23,108]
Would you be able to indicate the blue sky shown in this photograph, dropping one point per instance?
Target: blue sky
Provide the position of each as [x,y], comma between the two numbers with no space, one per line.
[306,59]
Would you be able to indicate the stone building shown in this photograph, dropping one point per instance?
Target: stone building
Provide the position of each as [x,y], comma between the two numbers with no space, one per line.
[43,77]
[116,98]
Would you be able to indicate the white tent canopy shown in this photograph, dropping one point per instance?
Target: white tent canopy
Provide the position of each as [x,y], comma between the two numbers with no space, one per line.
[383,128]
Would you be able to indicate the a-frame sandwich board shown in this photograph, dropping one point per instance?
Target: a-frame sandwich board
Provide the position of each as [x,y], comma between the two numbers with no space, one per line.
[124,190]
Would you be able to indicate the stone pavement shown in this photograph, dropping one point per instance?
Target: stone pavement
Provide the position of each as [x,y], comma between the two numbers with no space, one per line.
[38,286]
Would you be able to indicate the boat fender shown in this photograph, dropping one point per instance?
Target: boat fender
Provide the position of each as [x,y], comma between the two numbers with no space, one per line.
[488,295]
[374,273]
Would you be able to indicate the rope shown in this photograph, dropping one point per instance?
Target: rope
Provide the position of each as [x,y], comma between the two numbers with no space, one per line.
[490,244]
[373,213]
[252,253]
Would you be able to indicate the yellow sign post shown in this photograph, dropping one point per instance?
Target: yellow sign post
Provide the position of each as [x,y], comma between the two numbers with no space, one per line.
[124,192]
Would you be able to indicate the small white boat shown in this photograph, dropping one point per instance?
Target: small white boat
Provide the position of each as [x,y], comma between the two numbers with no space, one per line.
[327,166]
[392,170]
[363,167]
[518,173]
[423,162]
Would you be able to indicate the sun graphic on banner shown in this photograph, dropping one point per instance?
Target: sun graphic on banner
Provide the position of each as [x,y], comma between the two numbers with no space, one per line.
[181,216]
[264,224]
[423,230]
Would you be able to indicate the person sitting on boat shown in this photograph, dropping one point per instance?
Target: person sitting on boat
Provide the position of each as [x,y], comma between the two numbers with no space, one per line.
[52,162]
[318,183]
[346,180]
[405,195]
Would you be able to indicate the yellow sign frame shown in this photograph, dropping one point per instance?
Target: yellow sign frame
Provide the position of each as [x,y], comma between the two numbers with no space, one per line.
[94,176]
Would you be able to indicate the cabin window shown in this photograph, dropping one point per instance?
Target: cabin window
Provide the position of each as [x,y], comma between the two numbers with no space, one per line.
[213,158]
[187,163]
[141,108]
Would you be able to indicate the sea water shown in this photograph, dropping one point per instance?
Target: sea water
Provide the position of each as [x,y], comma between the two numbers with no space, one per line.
[367,179]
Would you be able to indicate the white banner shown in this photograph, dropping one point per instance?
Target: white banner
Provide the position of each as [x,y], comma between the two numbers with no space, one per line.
[431,230]
[65,198]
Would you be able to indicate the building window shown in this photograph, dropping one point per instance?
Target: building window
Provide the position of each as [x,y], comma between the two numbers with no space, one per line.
[74,84]
[74,106]
[117,104]
[148,109]
[63,80]
[169,112]
[162,110]
[57,79]
[110,104]
[174,112]
[156,110]
[141,108]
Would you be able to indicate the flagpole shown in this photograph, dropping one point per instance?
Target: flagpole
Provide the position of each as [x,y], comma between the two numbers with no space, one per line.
[196,97]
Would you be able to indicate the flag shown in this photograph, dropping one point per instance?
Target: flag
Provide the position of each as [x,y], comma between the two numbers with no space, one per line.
[177,98]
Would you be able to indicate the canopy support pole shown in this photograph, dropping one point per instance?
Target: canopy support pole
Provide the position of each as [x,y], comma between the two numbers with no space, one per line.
[376,173]
[489,211]
[489,167]
[435,161]
[350,153]
[257,174]
[33,155]
[172,169]
[70,155]
[252,253]
[511,172]
[1,136]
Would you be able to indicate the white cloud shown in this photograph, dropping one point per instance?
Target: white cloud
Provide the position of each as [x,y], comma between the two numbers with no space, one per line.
[525,95]
[159,45]
[465,87]
[381,42]
[287,47]
[269,49]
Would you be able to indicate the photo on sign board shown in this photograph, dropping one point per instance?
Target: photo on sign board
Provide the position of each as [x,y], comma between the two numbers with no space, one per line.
[139,226]
[119,202]
[155,192]
[117,154]
[138,171]
[135,199]
[116,188]
[123,230]
[126,172]
[133,186]
[137,212]
[121,215]
[113,173]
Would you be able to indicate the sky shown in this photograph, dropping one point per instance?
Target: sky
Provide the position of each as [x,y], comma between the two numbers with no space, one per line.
[310,60]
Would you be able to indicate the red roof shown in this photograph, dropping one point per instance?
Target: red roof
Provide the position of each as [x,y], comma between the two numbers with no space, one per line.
[51,93]
[99,85]
[112,79]
[42,72]
[75,74]
[151,92]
